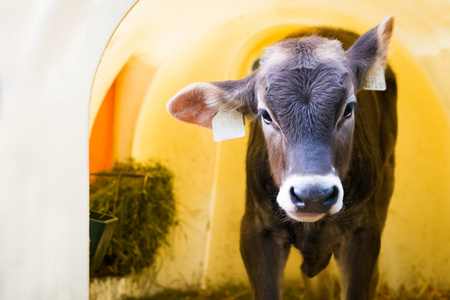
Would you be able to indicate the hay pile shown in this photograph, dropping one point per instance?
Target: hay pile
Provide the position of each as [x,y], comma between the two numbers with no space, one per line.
[141,196]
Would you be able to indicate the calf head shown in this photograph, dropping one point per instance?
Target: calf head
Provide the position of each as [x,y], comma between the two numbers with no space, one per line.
[303,94]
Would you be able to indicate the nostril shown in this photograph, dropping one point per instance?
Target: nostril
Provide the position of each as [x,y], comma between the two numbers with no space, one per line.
[296,199]
[332,198]
[325,193]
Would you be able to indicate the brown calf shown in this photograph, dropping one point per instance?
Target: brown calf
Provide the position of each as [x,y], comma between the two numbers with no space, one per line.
[320,160]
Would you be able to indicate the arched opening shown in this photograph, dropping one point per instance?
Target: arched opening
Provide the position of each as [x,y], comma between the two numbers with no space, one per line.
[113,127]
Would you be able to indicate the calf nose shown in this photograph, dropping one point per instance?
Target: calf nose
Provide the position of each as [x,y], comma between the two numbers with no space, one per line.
[314,199]
[307,198]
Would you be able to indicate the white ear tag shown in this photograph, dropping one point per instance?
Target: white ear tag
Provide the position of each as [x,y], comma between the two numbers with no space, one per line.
[228,125]
[375,79]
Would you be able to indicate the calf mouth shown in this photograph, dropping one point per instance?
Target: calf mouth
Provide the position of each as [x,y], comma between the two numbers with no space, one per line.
[305,217]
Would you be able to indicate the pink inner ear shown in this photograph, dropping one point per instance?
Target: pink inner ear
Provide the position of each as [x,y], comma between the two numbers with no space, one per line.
[385,29]
[189,105]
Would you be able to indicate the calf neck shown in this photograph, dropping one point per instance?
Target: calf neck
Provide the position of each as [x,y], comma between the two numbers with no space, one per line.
[320,156]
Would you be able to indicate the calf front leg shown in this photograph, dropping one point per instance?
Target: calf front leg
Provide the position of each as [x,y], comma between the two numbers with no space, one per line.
[264,251]
[357,259]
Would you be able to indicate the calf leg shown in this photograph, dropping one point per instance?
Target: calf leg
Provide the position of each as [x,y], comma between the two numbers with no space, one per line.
[357,259]
[319,287]
[264,251]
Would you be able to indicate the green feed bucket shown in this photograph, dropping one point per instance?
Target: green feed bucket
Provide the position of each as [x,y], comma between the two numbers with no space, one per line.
[101,229]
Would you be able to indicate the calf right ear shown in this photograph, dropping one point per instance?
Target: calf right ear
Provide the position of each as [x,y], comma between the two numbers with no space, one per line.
[369,50]
[199,102]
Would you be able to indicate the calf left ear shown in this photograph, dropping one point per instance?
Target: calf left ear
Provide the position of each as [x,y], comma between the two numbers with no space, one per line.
[370,50]
[199,102]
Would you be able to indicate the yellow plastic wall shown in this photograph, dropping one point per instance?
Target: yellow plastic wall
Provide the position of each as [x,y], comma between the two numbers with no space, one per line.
[181,42]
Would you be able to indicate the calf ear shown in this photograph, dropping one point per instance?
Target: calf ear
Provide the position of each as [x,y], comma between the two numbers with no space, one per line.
[370,50]
[199,102]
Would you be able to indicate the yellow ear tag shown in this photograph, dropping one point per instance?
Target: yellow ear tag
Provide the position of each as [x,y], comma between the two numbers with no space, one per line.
[228,125]
[375,80]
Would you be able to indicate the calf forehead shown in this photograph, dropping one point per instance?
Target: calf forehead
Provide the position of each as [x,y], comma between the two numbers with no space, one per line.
[303,82]
[305,102]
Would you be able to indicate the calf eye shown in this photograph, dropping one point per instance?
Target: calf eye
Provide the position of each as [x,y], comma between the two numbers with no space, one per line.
[349,110]
[265,116]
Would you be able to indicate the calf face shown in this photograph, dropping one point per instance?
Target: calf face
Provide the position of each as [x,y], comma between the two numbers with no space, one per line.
[304,96]
[306,99]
